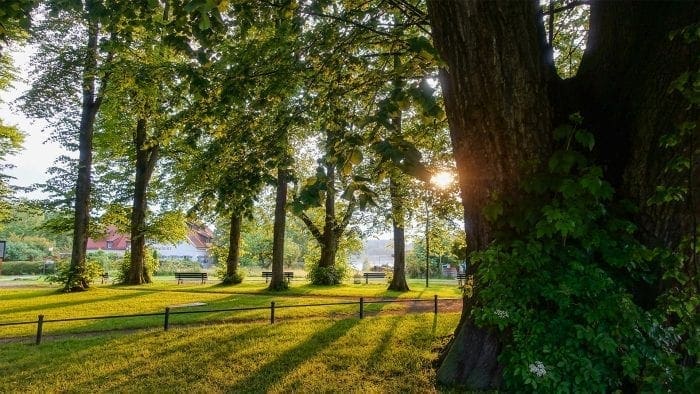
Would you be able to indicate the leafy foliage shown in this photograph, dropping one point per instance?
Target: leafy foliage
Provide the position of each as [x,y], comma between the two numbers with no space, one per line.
[150,264]
[91,271]
[332,275]
[561,283]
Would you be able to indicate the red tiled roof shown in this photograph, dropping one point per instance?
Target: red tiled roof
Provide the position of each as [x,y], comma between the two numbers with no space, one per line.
[198,235]
[117,241]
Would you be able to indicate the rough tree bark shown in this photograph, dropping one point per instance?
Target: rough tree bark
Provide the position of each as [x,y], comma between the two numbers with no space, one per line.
[234,247]
[494,85]
[91,101]
[503,100]
[277,281]
[329,239]
[146,159]
[622,90]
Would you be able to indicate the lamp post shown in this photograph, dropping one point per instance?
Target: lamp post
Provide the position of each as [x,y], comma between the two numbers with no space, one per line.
[440,180]
[427,236]
[3,244]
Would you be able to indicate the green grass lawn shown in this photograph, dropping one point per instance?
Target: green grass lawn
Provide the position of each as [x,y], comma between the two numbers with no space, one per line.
[25,304]
[378,354]
[318,349]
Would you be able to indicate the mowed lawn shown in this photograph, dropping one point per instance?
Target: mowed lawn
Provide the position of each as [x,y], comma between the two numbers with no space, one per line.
[25,304]
[320,349]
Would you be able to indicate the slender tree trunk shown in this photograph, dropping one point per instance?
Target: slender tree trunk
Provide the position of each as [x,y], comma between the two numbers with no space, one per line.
[398,221]
[76,278]
[234,241]
[277,281]
[495,89]
[329,246]
[146,159]
[398,281]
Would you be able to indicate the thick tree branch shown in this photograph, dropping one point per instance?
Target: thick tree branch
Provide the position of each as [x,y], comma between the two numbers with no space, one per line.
[340,227]
[312,227]
[573,4]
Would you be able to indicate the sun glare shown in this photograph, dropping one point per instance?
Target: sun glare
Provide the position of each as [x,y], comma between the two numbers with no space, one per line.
[442,179]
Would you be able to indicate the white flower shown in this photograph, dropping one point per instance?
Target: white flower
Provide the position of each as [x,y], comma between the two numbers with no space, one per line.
[538,369]
[500,313]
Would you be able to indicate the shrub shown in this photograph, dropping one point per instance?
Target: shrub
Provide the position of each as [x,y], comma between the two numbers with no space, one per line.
[93,270]
[19,250]
[26,268]
[559,284]
[170,266]
[108,261]
[333,275]
[150,263]
[229,279]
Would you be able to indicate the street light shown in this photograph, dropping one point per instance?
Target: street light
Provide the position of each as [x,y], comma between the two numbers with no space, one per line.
[440,180]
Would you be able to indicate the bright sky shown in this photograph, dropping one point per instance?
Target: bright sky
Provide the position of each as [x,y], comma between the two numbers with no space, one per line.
[38,155]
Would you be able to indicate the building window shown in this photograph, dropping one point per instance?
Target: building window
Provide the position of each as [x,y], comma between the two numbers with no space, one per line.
[110,244]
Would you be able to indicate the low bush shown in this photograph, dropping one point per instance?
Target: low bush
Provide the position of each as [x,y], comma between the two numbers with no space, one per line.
[27,268]
[168,267]
[92,271]
[150,265]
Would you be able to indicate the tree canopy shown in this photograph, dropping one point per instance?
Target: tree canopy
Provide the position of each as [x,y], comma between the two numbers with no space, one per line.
[571,126]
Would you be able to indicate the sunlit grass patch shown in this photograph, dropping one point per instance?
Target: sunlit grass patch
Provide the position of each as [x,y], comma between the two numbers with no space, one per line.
[25,304]
[379,354]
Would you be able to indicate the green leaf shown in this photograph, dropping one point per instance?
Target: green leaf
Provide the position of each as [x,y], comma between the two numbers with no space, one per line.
[585,138]
[204,22]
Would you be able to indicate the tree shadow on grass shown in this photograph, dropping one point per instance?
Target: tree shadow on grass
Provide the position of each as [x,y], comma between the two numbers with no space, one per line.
[22,294]
[43,307]
[269,374]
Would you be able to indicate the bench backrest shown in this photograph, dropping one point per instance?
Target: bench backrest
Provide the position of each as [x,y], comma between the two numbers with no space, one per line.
[375,274]
[190,274]
[268,274]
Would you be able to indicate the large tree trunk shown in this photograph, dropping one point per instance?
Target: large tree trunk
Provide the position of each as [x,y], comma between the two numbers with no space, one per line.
[234,247]
[495,93]
[622,89]
[277,281]
[495,86]
[396,193]
[146,159]
[623,93]
[398,281]
[77,279]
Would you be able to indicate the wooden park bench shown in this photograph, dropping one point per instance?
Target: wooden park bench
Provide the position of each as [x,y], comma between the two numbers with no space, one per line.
[374,275]
[461,277]
[287,275]
[180,276]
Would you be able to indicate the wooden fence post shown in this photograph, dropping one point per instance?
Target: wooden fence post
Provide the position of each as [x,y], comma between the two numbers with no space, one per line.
[166,320]
[39,329]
